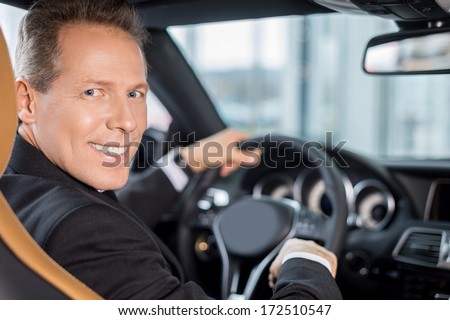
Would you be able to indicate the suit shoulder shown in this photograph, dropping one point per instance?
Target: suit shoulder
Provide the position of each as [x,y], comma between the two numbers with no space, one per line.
[40,204]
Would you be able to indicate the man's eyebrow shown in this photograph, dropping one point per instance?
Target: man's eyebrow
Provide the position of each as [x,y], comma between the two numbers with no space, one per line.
[107,83]
[142,86]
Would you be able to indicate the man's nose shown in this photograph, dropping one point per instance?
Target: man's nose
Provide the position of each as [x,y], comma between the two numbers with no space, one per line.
[122,116]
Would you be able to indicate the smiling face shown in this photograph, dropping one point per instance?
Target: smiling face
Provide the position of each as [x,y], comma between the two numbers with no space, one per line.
[91,119]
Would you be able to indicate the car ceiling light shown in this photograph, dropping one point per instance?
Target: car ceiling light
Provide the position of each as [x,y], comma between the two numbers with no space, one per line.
[343,5]
[444,4]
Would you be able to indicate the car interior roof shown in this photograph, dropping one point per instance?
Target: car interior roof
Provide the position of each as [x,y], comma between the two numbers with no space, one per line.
[160,14]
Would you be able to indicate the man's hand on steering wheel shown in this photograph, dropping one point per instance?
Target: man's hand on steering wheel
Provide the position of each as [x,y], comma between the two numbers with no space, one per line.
[260,227]
[298,245]
[220,151]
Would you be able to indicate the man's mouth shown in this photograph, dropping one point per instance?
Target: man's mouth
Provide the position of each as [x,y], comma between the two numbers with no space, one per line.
[109,150]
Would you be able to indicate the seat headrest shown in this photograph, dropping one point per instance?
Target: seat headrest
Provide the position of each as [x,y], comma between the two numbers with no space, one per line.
[8,109]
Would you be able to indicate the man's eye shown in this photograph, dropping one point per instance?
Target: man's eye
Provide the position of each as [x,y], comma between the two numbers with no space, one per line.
[134,94]
[92,92]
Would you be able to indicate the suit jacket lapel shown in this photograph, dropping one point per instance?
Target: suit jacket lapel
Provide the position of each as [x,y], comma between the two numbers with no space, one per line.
[28,160]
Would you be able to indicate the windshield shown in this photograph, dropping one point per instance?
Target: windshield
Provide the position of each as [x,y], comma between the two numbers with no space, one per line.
[302,76]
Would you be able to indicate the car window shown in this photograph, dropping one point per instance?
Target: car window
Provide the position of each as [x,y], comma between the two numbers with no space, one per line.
[302,76]
[10,18]
[157,115]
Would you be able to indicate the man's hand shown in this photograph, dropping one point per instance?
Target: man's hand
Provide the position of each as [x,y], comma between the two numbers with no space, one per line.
[220,150]
[298,245]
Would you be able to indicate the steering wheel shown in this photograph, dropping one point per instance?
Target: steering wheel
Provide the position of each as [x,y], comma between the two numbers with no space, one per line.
[253,228]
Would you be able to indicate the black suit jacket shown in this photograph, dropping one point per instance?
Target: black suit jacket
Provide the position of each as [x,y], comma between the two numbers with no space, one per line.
[108,247]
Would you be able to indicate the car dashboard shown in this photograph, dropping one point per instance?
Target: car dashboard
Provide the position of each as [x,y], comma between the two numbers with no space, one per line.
[398,240]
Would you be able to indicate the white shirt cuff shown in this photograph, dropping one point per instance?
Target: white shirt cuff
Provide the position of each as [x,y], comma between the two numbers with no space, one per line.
[173,172]
[308,256]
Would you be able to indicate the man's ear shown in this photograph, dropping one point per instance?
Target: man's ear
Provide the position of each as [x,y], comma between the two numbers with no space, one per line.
[26,103]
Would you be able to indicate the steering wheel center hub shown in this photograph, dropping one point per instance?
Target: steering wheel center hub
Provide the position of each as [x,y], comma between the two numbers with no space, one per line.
[253,227]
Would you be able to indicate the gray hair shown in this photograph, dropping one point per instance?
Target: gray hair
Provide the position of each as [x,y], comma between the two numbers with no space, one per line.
[38,51]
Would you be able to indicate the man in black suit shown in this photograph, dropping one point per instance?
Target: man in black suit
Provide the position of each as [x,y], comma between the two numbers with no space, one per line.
[81,102]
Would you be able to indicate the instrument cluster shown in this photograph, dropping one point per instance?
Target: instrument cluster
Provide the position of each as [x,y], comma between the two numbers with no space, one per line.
[371,205]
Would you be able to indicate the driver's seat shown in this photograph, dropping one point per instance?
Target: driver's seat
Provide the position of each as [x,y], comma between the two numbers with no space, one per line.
[26,271]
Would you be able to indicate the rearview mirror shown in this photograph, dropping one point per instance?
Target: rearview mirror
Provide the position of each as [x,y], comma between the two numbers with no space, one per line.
[411,52]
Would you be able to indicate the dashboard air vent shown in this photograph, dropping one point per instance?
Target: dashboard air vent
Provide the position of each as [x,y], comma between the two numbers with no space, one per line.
[420,247]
